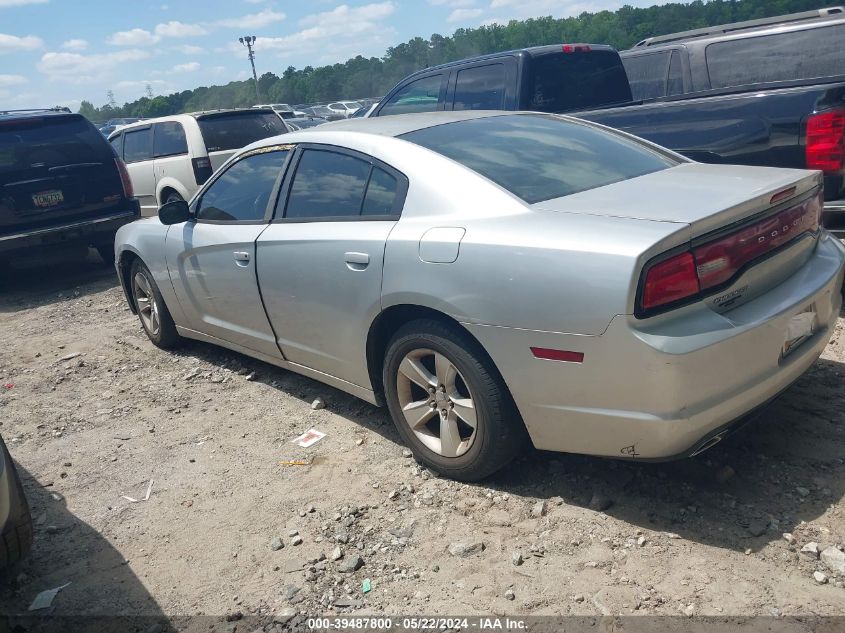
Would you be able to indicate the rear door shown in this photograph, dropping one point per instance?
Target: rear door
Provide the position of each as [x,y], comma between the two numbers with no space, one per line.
[53,169]
[138,156]
[484,86]
[226,132]
[173,169]
[211,258]
[320,262]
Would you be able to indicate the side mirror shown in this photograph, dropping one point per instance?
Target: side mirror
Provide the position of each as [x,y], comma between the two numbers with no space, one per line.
[174,212]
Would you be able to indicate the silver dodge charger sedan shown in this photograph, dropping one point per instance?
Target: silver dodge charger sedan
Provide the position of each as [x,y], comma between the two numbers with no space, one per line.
[499,277]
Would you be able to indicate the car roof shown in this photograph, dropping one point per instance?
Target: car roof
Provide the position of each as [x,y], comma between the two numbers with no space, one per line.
[7,115]
[405,123]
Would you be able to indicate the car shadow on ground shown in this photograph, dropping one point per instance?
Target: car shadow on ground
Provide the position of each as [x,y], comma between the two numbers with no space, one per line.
[103,595]
[64,276]
[763,481]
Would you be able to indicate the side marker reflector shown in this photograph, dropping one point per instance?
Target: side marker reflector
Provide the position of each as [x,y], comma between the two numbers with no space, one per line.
[558,355]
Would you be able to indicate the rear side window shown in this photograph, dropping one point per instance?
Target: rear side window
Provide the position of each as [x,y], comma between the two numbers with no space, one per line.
[234,130]
[169,139]
[241,194]
[675,85]
[327,185]
[117,144]
[137,146]
[561,82]
[421,95]
[380,198]
[805,54]
[480,88]
[538,157]
[647,74]
[37,144]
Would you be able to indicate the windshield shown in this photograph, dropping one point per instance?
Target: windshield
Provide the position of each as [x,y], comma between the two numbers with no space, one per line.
[562,82]
[541,157]
[234,130]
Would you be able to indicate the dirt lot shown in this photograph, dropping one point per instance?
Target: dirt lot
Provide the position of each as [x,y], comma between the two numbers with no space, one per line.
[96,412]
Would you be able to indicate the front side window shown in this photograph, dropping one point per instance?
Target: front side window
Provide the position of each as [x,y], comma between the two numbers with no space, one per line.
[647,74]
[169,139]
[137,146]
[332,185]
[421,95]
[480,88]
[241,194]
[540,157]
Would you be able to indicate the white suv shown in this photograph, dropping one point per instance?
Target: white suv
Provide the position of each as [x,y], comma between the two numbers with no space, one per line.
[170,157]
[344,108]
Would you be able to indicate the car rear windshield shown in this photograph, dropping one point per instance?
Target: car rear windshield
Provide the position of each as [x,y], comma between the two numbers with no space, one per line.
[562,82]
[539,157]
[50,142]
[234,130]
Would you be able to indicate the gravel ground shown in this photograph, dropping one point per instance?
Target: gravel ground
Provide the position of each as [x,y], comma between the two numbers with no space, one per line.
[234,522]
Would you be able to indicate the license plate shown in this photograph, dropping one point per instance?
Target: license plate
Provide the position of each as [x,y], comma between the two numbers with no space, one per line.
[799,329]
[48,198]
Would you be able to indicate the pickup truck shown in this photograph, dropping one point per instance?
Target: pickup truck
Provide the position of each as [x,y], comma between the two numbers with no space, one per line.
[797,123]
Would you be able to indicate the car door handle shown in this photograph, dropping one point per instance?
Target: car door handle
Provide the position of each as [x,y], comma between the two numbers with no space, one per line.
[241,258]
[356,261]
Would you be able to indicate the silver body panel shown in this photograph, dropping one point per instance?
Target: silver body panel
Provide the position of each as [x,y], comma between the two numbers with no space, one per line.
[560,274]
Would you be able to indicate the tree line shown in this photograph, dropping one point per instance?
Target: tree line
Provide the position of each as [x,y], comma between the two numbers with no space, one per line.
[371,77]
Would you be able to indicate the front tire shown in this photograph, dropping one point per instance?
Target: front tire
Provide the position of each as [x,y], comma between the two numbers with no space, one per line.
[152,311]
[448,403]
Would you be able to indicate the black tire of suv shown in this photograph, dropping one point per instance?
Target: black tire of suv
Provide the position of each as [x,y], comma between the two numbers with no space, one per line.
[501,432]
[167,337]
[106,251]
[16,538]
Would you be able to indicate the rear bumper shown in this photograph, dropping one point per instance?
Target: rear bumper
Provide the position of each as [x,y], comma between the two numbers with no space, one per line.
[86,231]
[833,217]
[662,390]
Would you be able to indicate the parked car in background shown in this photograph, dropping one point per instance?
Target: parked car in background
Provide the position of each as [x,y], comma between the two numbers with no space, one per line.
[301,123]
[124,121]
[170,157]
[323,112]
[344,108]
[105,130]
[282,109]
[61,185]
[797,124]
[15,518]
[488,275]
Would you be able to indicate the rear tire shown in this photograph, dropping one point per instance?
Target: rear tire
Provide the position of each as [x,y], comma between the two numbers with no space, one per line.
[152,311]
[449,403]
[16,538]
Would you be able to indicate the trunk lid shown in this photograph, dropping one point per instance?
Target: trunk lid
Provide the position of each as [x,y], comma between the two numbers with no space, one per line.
[706,197]
[53,169]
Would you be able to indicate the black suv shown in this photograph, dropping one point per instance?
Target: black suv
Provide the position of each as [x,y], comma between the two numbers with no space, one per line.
[61,184]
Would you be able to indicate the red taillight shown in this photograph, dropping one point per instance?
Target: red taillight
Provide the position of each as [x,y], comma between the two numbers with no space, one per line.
[124,178]
[717,261]
[669,281]
[576,48]
[826,141]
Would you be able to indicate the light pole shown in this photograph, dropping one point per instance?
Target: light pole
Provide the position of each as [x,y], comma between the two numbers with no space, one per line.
[249,41]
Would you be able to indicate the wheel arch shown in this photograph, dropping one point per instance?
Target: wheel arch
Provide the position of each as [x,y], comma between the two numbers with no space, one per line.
[388,322]
[168,185]
[124,268]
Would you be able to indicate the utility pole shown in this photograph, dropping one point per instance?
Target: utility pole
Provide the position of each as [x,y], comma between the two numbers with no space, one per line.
[249,42]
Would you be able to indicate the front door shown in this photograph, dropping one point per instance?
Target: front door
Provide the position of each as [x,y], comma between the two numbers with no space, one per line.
[320,265]
[211,258]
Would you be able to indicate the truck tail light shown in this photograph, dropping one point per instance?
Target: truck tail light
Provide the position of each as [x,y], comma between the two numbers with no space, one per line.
[715,263]
[576,48]
[825,149]
[202,169]
[125,180]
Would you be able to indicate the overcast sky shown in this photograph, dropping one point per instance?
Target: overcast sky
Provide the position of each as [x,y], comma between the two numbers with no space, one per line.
[59,52]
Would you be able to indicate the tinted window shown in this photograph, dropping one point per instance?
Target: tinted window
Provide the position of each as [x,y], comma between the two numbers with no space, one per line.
[327,185]
[802,54]
[568,81]
[137,146]
[418,96]
[37,144]
[675,85]
[480,88]
[234,130]
[541,157]
[169,139]
[381,194]
[647,74]
[243,191]
[117,144]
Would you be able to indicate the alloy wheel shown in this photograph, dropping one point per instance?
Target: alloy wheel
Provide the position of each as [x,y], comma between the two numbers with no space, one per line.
[146,302]
[436,402]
